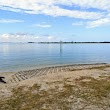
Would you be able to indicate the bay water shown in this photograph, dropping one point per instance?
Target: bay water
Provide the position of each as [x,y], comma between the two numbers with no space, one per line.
[26,56]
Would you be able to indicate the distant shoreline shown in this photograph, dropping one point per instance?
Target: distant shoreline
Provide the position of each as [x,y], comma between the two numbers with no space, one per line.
[66,42]
[60,42]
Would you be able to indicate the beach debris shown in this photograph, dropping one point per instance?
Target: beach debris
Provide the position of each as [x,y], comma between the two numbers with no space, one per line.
[1,79]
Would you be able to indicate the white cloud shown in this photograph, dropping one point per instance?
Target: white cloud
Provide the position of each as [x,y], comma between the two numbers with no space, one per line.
[50,37]
[17,37]
[97,23]
[42,25]
[78,23]
[10,21]
[40,4]
[93,23]
[57,11]
[99,16]
[98,4]
[25,37]
[52,7]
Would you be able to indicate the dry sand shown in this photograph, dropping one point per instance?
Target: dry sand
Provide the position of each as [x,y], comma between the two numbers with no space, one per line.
[94,70]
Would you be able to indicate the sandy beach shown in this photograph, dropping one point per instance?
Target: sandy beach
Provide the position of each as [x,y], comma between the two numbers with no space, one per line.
[57,72]
[50,77]
[50,74]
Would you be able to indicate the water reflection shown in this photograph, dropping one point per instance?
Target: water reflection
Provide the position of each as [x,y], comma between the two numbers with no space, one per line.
[61,49]
[5,48]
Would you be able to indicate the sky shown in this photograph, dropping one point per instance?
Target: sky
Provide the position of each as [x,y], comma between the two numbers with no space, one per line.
[54,20]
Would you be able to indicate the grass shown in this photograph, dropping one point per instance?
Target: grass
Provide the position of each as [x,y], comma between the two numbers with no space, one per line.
[85,94]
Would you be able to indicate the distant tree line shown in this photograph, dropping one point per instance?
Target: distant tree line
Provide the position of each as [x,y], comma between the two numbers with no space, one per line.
[69,42]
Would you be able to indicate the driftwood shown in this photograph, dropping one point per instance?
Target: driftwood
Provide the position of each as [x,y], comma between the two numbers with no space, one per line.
[1,79]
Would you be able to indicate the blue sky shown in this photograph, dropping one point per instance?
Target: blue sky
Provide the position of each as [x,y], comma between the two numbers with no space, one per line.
[54,20]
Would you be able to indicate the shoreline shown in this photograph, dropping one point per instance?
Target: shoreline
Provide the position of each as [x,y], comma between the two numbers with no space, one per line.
[18,76]
[48,66]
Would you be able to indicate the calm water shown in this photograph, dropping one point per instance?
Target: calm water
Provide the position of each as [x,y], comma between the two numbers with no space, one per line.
[23,56]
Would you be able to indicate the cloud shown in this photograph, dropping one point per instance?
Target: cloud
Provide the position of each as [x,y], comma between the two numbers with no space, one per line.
[38,5]
[42,25]
[25,37]
[96,11]
[50,37]
[78,23]
[10,21]
[17,37]
[53,7]
[93,23]
[97,23]
[97,4]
